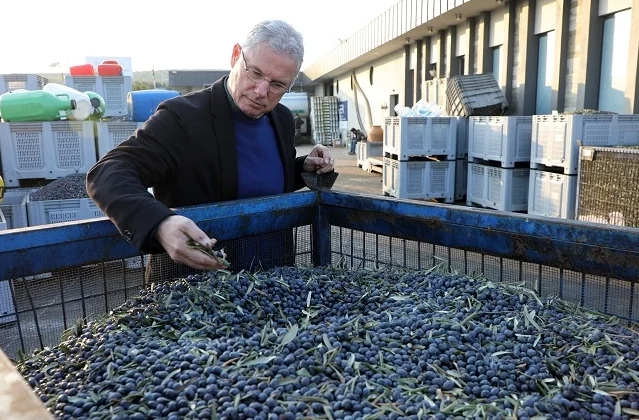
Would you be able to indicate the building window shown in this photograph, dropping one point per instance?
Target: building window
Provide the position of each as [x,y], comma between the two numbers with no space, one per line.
[432,71]
[497,63]
[614,63]
[370,75]
[461,65]
[545,72]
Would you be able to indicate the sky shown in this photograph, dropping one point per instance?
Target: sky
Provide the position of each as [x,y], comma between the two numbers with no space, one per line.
[182,34]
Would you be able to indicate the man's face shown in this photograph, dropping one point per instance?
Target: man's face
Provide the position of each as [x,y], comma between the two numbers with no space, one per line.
[257,98]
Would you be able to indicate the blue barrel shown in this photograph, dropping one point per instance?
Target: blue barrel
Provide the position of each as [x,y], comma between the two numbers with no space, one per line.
[143,103]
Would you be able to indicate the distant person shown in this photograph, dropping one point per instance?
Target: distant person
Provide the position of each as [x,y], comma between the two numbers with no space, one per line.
[230,141]
[356,136]
[298,127]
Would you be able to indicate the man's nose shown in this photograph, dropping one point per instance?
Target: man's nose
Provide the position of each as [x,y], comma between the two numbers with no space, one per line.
[262,88]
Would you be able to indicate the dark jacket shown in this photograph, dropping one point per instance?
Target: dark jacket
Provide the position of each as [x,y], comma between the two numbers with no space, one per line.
[187,152]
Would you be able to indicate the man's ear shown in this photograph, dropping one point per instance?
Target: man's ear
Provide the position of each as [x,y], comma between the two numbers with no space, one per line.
[235,55]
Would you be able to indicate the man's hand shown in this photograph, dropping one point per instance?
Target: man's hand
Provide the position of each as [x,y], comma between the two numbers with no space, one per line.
[319,160]
[174,233]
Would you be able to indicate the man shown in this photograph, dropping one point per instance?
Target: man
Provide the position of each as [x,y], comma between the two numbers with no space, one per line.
[356,135]
[230,141]
[298,127]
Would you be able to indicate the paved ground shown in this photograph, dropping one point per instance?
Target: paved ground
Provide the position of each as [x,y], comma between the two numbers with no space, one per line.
[351,177]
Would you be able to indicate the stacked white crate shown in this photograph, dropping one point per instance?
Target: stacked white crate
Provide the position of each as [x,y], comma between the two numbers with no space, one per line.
[109,134]
[113,89]
[15,81]
[554,158]
[419,157]
[435,92]
[45,150]
[499,156]
[325,119]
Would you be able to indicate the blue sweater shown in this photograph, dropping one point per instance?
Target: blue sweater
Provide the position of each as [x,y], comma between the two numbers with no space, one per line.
[260,169]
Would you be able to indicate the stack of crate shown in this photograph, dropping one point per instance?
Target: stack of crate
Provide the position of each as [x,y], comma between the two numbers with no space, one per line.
[499,162]
[324,119]
[435,92]
[419,158]
[113,89]
[555,155]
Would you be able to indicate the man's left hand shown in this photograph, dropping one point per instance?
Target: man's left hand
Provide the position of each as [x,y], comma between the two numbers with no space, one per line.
[319,160]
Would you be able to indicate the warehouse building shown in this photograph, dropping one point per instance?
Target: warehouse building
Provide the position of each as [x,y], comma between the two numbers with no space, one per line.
[545,54]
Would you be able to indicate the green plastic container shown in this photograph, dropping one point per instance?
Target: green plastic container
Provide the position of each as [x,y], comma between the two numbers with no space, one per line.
[34,105]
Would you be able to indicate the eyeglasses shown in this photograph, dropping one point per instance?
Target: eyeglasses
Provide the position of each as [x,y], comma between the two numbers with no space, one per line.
[258,77]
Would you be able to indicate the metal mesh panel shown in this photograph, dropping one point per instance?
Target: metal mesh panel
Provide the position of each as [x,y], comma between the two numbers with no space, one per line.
[359,249]
[608,190]
[35,311]
[47,304]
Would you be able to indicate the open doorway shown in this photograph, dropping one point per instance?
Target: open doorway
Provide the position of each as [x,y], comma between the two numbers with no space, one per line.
[394,100]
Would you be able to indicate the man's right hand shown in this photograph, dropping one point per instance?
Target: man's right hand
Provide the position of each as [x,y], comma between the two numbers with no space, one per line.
[173,234]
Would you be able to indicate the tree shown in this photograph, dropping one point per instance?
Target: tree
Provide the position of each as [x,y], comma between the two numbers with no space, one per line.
[140,85]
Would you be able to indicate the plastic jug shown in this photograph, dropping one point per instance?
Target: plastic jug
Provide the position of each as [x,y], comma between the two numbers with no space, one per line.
[109,68]
[82,70]
[83,109]
[35,105]
[99,106]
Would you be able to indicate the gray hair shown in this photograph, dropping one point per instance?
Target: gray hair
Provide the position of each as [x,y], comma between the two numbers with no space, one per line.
[280,37]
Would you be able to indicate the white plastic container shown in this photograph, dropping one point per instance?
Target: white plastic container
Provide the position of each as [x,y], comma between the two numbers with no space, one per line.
[408,137]
[419,179]
[502,189]
[552,195]
[83,109]
[501,139]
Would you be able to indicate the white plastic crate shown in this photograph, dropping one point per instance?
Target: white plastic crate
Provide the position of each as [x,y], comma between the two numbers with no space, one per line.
[496,188]
[419,179]
[367,149]
[552,195]
[461,178]
[7,309]
[14,208]
[407,137]
[112,133]
[555,137]
[46,150]
[462,137]
[113,89]
[501,139]
[15,81]
[60,211]
[435,92]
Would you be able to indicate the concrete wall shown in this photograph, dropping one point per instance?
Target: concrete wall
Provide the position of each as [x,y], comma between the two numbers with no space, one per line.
[515,27]
[387,80]
[573,52]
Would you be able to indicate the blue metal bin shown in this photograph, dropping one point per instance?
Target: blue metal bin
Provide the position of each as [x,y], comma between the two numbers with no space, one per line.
[63,273]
